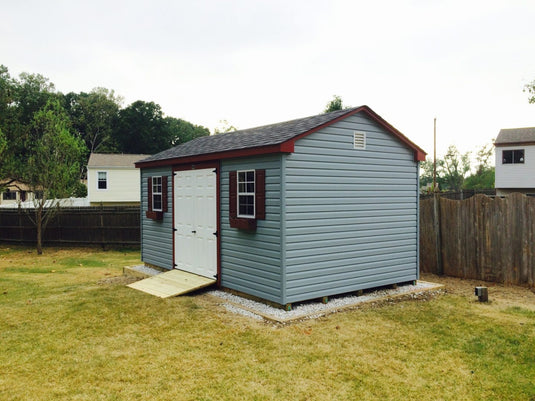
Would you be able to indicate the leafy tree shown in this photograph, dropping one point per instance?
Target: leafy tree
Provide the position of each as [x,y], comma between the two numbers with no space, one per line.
[483,178]
[426,175]
[224,127]
[142,129]
[455,168]
[334,105]
[181,131]
[94,116]
[53,166]
[530,89]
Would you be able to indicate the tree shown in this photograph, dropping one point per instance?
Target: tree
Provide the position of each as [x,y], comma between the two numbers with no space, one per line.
[94,116]
[53,166]
[224,127]
[181,131]
[142,129]
[334,105]
[530,89]
[455,168]
[483,178]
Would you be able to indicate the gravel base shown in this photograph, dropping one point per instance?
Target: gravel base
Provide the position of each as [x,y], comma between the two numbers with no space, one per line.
[146,270]
[310,310]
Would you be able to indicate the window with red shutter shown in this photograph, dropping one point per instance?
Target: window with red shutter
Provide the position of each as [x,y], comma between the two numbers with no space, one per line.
[247,198]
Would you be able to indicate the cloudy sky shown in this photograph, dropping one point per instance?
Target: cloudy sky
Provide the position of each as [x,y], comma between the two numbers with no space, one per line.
[254,62]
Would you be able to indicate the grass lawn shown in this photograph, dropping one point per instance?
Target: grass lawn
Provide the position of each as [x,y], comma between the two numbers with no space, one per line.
[71,330]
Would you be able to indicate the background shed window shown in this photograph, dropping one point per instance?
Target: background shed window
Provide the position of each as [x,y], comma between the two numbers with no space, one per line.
[102,182]
[513,156]
[246,193]
[157,194]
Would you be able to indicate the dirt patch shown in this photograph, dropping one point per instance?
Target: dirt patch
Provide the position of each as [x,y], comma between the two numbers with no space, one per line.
[506,295]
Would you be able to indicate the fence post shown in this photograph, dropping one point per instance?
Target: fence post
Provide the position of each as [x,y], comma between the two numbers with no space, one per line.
[437,229]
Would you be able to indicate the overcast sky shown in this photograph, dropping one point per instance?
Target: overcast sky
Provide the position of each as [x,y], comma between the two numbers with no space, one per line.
[259,62]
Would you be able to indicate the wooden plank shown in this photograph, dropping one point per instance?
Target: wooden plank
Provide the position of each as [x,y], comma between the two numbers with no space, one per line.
[172,283]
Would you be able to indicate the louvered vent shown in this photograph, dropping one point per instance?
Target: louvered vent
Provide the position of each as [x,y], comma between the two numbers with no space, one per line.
[359,140]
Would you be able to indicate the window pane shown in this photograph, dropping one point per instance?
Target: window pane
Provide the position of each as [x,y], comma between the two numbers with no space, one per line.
[241,176]
[241,187]
[250,176]
[250,187]
[157,202]
[507,156]
[102,175]
[246,205]
[518,156]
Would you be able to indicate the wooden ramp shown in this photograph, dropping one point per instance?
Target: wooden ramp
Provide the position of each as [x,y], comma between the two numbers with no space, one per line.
[172,283]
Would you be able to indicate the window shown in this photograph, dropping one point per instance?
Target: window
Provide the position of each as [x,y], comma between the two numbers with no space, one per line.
[359,140]
[157,194]
[9,195]
[515,156]
[246,194]
[102,182]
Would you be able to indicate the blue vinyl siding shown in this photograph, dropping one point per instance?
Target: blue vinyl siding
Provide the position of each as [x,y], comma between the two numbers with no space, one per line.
[251,261]
[351,216]
[157,236]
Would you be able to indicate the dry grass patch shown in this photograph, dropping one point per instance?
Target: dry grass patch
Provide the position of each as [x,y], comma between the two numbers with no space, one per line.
[71,330]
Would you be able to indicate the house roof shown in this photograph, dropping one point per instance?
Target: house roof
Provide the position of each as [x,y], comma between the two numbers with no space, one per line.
[114,160]
[273,138]
[514,136]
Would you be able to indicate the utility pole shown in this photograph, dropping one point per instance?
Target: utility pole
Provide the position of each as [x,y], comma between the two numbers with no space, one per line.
[435,156]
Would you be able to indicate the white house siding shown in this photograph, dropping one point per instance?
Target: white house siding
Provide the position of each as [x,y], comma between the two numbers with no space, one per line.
[351,216]
[122,185]
[157,235]
[516,176]
[251,261]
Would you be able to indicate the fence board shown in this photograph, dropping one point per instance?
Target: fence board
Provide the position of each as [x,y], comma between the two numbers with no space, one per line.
[484,238]
[117,225]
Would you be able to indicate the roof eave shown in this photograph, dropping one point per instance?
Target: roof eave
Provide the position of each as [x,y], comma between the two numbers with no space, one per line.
[284,147]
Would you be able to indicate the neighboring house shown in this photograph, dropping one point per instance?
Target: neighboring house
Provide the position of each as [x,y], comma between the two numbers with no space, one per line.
[112,179]
[15,194]
[515,161]
[287,212]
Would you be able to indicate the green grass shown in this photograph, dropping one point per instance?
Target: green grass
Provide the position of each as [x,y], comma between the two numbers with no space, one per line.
[70,331]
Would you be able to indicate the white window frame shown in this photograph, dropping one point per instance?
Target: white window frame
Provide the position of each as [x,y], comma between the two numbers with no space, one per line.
[245,193]
[156,193]
[106,181]
[361,140]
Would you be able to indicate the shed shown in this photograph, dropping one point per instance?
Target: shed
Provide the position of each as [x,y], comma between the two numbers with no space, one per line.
[287,212]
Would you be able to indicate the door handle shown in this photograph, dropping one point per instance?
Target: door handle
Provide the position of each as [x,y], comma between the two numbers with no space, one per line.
[194,232]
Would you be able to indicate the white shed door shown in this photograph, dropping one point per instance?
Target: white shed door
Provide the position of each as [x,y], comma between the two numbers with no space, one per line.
[195,208]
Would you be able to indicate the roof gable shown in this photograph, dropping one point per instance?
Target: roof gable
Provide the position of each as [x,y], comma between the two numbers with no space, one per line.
[273,138]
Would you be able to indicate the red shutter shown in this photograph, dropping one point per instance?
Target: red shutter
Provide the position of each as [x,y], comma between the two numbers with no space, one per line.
[232,195]
[149,192]
[164,193]
[260,194]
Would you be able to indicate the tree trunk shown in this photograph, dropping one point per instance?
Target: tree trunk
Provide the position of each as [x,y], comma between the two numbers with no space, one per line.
[39,224]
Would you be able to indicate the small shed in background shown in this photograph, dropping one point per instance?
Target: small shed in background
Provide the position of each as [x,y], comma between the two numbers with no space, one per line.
[287,212]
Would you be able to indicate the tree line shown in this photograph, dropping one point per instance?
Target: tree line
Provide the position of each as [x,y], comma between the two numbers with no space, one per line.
[97,118]
[46,137]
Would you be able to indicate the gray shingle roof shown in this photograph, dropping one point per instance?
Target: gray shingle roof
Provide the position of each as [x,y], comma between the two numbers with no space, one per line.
[515,135]
[114,160]
[273,134]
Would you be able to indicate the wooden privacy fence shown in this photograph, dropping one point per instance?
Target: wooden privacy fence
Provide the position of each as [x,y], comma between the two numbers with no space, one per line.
[483,238]
[117,225]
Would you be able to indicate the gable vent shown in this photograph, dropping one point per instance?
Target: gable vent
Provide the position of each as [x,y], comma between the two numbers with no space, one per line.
[359,140]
